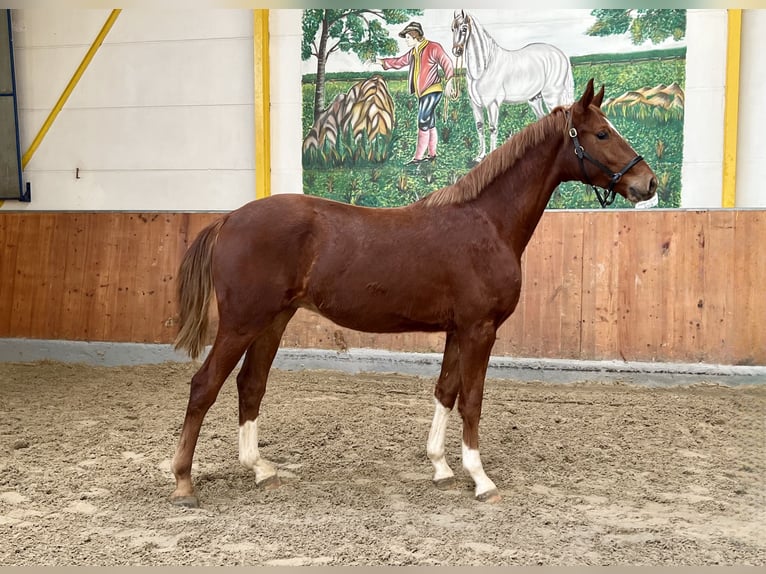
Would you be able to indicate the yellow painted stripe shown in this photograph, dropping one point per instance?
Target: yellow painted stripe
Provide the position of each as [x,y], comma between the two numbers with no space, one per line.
[262,103]
[69,88]
[731,109]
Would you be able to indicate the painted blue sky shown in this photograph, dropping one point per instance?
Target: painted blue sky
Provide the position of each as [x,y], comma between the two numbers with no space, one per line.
[512,29]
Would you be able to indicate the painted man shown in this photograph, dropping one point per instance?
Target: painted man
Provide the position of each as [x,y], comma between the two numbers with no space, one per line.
[425,58]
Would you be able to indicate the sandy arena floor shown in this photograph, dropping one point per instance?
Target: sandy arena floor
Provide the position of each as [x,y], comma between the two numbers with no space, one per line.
[590,473]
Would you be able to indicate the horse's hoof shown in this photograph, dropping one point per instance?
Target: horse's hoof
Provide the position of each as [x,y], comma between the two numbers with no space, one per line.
[446,483]
[491,496]
[185,501]
[269,483]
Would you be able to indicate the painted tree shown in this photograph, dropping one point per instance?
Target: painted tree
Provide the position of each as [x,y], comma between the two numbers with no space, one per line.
[643,24]
[357,30]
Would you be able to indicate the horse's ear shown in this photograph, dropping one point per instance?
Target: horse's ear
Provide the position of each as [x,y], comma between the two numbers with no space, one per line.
[599,97]
[587,95]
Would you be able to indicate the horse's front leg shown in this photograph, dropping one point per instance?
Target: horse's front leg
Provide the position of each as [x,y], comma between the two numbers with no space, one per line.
[445,394]
[478,118]
[475,347]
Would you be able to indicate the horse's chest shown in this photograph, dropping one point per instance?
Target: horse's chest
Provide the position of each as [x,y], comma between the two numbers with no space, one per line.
[497,277]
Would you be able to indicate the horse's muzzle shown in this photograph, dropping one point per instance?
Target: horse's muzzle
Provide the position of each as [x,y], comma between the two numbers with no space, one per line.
[457,51]
[636,193]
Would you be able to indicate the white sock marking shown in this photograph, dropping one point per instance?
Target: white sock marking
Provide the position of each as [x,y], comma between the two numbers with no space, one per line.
[249,455]
[472,463]
[436,438]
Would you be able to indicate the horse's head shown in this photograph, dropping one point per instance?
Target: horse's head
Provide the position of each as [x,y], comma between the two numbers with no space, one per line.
[461,30]
[601,155]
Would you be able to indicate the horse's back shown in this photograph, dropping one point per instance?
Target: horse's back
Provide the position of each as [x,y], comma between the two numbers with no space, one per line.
[533,69]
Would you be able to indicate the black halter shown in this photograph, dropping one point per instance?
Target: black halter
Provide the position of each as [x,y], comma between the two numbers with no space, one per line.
[582,155]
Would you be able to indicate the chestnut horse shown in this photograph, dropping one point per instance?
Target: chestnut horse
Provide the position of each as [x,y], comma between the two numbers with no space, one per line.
[447,263]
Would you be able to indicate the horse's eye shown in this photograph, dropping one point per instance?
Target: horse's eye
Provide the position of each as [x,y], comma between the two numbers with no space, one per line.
[602,135]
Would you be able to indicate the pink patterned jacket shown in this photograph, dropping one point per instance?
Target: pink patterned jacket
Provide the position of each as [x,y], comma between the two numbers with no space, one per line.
[424,61]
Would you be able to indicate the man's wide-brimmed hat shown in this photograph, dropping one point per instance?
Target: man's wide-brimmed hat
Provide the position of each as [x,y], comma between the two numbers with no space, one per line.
[411,27]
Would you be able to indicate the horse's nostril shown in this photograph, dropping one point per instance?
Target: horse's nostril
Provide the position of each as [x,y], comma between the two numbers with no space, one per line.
[653,185]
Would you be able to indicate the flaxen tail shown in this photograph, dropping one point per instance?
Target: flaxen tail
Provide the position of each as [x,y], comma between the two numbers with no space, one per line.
[195,290]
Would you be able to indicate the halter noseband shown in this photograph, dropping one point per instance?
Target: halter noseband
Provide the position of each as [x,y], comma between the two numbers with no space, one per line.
[582,155]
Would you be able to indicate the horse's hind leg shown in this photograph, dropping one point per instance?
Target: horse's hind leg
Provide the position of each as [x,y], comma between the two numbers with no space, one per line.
[205,385]
[251,385]
[445,394]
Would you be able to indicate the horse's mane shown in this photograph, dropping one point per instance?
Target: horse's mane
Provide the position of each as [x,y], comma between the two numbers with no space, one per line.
[502,159]
[488,45]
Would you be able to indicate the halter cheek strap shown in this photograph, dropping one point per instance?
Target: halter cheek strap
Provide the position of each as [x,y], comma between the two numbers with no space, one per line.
[582,155]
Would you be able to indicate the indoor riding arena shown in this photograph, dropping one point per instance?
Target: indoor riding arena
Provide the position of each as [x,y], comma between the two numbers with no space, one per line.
[622,420]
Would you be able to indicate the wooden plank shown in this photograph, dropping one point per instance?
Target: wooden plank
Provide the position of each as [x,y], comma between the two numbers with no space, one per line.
[717,302]
[645,285]
[32,290]
[10,237]
[666,264]
[749,288]
[601,259]
[100,272]
[690,320]
[569,298]
[76,288]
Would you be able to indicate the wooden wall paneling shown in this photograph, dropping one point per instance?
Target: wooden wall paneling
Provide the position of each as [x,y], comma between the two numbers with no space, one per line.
[11,238]
[541,326]
[34,286]
[627,315]
[120,269]
[719,333]
[690,289]
[552,310]
[749,287]
[643,284]
[174,242]
[76,287]
[149,288]
[693,282]
[530,300]
[159,287]
[101,277]
[147,317]
[602,257]
[665,271]
[568,299]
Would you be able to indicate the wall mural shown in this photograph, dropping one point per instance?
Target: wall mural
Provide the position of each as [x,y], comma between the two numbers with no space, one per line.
[397,103]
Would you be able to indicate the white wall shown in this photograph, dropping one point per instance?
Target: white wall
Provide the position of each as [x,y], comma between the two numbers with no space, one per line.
[705,90]
[286,100]
[162,119]
[751,149]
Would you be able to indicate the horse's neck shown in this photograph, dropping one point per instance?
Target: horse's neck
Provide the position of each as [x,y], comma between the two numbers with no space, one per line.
[517,198]
[480,51]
